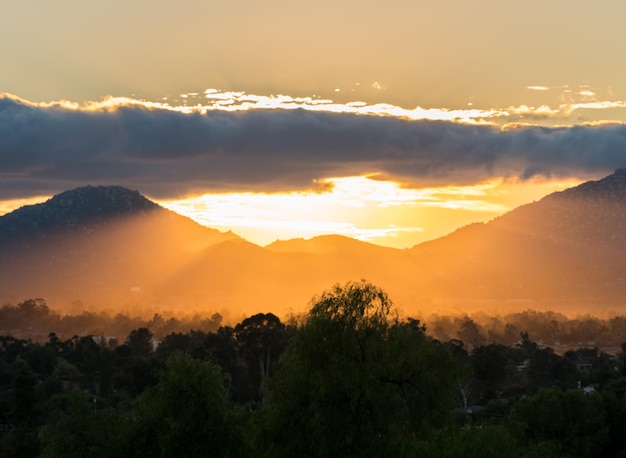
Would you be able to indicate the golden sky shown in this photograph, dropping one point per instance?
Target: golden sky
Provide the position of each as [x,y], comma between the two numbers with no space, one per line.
[404,52]
[379,212]
[393,123]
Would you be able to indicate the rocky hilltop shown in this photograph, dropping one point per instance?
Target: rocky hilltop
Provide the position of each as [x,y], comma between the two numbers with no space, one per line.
[104,245]
[79,208]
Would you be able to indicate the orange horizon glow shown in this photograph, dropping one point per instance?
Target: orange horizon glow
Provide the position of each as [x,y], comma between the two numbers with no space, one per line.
[380,212]
[7,206]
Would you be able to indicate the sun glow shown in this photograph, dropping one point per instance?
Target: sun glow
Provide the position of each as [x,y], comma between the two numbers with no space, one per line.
[7,206]
[361,207]
[366,208]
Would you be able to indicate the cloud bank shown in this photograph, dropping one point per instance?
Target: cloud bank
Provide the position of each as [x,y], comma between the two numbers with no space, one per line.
[167,153]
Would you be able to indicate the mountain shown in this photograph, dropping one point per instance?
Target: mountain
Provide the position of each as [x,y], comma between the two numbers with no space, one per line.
[99,245]
[109,247]
[77,209]
[327,244]
[566,249]
[284,276]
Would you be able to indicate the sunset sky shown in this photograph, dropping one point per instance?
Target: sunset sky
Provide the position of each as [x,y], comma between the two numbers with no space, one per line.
[391,122]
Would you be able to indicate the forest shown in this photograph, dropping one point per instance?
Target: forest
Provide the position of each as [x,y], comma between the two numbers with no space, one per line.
[352,377]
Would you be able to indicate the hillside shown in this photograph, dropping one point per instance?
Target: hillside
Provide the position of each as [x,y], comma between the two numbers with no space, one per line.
[80,210]
[109,247]
[566,248]
[284,276]
[98,245]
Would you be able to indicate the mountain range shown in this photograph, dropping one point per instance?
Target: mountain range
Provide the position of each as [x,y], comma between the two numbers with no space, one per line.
[110,248]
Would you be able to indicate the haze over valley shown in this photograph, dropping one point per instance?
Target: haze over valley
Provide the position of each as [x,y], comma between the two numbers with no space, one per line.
[109,248]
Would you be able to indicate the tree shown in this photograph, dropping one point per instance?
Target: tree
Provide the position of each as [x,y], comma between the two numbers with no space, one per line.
[470,333]
[465,382]
[81,426]
[140,342]
[490,366]
[221,346]
[484,441]
[548,369]
[624,358]
[23,412]
[191,343]
[577,421]
[354,381]
[261,339]
[185,414]
[25,394]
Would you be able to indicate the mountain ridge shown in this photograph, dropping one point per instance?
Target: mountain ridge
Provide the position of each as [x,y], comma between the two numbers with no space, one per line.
[98,245]
[74,208]
[324,243]
[568,245]
[564,250]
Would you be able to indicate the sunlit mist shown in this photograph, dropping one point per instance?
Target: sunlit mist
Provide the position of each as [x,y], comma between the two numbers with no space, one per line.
[361,207]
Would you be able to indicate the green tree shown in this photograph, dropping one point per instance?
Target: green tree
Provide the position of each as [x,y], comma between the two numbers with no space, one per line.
[22,412]
[261,339]
[140,342]
[185,414]
[79,426]
[485,441]
[191,344]
[573,419]
[490,364]
[547,369]
[354,381]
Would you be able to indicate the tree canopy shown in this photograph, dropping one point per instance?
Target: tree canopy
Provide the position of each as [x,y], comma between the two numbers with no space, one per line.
[355,379]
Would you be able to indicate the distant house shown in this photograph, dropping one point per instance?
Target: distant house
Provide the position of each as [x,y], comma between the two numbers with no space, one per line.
[522,367]
[586,363]
[589,389]
[105,341]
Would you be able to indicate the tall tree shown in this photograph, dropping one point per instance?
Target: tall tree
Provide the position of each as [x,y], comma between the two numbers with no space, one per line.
[261,339]
[354,381]
[140,342]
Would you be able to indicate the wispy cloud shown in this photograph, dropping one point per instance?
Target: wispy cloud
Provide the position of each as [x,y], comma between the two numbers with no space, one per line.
[265,216]
[240,141]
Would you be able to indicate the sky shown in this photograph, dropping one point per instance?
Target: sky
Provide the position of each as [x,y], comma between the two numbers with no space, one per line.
[393,123]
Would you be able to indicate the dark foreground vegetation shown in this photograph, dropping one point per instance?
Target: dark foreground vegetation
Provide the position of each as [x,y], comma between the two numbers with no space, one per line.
[349,379]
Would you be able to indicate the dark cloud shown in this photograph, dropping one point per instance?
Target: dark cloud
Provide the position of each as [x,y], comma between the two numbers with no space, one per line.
[164,153]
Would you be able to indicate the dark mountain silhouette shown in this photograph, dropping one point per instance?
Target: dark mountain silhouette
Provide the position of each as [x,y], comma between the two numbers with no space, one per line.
[102,245]
[568,248]
[113,248]
[77,209]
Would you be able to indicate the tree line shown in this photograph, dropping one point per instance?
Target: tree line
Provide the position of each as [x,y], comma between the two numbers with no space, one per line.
[33,319]
[351,378]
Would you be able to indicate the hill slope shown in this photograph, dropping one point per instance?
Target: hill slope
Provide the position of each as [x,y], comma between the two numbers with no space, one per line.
[102,245]
[112,248]
[284,276]
[568,247]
